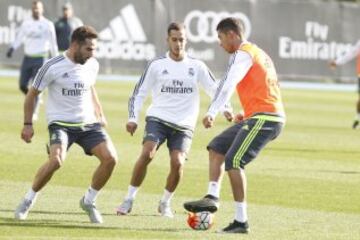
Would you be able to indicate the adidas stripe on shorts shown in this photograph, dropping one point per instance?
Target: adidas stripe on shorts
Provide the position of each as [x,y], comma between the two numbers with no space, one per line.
[242,142]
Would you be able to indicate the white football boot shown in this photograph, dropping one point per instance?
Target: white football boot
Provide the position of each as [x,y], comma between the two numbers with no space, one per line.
[165,210]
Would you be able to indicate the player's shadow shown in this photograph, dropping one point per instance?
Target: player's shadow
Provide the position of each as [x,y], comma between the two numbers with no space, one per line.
[342,172]
[137,215]
[70,224]
[170,230]
[50,223]
[79,213]
[318,171]
[311,150]
[48,212]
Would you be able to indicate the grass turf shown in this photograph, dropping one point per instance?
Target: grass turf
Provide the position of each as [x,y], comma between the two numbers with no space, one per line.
[304,185]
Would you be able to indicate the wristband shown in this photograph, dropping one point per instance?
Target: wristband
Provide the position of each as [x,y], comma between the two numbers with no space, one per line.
[28,124]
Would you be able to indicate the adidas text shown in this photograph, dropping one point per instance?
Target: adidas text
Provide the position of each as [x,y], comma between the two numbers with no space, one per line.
[125,50]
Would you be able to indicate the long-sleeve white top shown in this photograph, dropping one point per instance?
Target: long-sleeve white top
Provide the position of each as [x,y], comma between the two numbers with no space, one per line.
[38,37]
[174,87]
[239,64]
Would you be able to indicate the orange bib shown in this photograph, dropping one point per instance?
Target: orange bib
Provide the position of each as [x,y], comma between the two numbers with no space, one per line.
[259,90]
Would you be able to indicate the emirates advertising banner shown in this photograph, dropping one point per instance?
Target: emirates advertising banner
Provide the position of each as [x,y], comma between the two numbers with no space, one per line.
[300,36]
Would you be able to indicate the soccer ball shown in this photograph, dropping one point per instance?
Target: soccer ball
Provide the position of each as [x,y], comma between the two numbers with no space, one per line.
[200,220]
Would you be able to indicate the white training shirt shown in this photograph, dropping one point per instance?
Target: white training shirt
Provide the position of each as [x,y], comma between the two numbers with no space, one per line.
[38,37]
[352,53]
[239,64]
[69,89]
[174,87]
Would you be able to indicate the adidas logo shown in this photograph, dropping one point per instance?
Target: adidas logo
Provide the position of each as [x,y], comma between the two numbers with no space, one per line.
[125,38]
[124,27]
[165,72]
[54,136]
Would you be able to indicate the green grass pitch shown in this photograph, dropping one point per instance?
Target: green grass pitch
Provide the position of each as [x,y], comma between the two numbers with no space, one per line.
[304,185]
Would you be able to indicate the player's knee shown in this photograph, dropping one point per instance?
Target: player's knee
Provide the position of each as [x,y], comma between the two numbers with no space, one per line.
[23,88]
[147,156]
[177,164]
[110,160]
[55,163]
[114,159]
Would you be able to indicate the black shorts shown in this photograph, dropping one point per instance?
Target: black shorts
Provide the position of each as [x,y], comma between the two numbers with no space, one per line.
[242,142]
[29,68]
[87,136]
[158,131]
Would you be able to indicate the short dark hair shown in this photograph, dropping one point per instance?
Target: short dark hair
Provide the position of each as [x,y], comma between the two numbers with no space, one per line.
[231,24]
[175,26]
[82,33]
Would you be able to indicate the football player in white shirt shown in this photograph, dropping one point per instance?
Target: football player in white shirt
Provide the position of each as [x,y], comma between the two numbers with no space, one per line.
[38,36]
[354,52]
[174,81]
[74,115]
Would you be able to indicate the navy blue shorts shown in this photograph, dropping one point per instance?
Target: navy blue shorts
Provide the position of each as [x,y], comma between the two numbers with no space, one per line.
[87,136]
[29,67]
[158,131]
[242,142]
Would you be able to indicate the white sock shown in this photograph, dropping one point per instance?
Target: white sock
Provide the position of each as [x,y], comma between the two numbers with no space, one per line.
[31,195]
[90,195]
[131,192]
[241,211]
[357,117]
[167,196]
[214,189]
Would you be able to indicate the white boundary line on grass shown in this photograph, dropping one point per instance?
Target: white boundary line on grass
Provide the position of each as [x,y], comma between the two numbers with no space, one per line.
[319,86]
[283,84]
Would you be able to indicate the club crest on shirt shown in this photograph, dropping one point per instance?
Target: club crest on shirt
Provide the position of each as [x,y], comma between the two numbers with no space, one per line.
[191,72]
[65,75]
